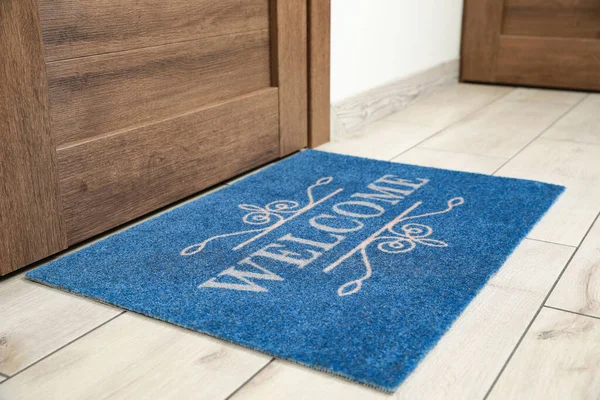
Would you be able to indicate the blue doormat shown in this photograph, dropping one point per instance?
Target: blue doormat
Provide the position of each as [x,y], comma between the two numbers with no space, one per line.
[347,265]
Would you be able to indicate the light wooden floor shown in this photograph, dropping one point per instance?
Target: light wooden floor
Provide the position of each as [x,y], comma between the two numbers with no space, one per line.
[532,333]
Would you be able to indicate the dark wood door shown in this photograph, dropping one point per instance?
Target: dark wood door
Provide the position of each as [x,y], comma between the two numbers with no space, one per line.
[113,109]
[547,43]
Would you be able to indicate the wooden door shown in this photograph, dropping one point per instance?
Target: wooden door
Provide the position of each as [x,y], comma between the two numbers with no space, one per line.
[547,43]
[134,105]
[30,209]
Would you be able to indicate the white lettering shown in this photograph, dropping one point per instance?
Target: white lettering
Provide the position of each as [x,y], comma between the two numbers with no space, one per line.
[244,276]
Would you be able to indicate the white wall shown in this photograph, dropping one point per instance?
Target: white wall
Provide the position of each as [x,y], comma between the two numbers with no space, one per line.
[374,42]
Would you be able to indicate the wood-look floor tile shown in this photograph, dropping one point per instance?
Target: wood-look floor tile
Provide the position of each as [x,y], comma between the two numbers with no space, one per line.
[559,358]
[465,362]
[283,380]
[574,165]
[449,105]
[133,357]
[382,140]
[582,124]
[579,288]
[36,320]
[499,130]
[546,96]
[450,160]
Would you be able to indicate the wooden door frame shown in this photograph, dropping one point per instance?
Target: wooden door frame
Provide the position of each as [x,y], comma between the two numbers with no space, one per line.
[300,68]
[319,72]
[479,44]
[31,216]
[289,72]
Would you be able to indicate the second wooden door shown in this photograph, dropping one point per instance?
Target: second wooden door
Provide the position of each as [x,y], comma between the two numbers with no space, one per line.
[548,43]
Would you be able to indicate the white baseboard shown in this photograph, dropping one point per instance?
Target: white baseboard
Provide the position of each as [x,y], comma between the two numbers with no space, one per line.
[349,115]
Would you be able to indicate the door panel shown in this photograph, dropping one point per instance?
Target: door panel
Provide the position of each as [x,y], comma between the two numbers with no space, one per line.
[552,62]
[116,178]
[290,71]
[77,28]
[549,43]
[30,212]
[148,102]
[138,129]
[319,49]
[92,96]
[552,18]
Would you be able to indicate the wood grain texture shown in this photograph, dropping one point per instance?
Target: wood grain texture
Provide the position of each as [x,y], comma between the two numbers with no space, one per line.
[95,95]
[30,213]
[451,160]
[337,129]
[552,18]
[548,96]
[548,62]
[559,358]
[290,72]
[579,288]
[532,43]
[368,107]
[581,125]
[447,105]
[319,73]
[482,21]
[382,140]
[116,178]
[500,130]
[77,28]
[133,357]
[37,321]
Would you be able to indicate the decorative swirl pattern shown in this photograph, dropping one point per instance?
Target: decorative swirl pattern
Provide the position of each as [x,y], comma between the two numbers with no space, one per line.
[272,215]
[264,215]
[321,182]
[395,244]
[392,241]
[414,231]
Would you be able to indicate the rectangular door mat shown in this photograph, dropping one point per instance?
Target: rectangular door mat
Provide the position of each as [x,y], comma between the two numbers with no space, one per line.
[347,265]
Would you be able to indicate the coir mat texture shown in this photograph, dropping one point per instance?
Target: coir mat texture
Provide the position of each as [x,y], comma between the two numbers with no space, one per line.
[351,266]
